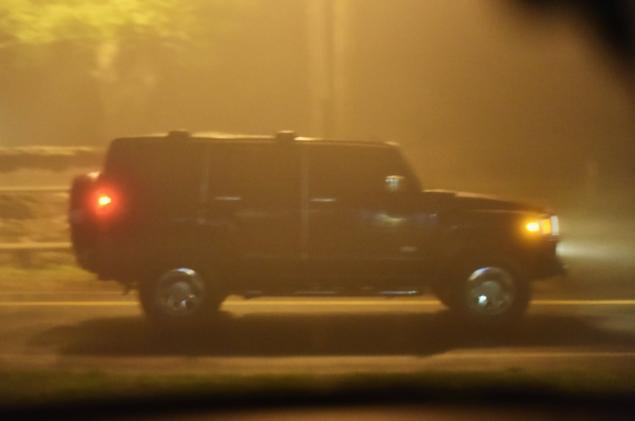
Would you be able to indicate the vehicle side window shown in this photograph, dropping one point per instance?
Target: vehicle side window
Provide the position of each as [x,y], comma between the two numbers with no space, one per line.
[255,174]
[349,172]
[159,177]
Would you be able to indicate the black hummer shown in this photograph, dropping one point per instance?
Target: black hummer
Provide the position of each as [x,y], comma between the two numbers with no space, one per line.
[189,219]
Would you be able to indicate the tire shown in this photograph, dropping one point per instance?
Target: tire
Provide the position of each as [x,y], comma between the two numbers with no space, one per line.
[179,298]
[488,292]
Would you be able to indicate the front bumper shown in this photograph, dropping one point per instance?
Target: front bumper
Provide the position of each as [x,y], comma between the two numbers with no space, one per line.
[546,262]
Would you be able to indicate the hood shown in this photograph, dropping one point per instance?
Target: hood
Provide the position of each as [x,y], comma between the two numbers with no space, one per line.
[475,201]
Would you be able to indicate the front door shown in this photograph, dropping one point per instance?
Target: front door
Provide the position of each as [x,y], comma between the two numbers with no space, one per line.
[366,223]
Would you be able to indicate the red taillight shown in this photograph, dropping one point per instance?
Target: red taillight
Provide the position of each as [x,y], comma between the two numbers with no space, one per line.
[104,202]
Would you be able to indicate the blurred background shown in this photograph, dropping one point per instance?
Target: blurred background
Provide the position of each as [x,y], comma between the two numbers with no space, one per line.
[532,99]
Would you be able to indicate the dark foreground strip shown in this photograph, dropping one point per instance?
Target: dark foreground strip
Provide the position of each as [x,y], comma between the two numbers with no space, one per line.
[93,395]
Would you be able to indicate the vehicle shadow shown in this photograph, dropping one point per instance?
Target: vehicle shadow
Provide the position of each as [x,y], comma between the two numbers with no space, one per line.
[274,334]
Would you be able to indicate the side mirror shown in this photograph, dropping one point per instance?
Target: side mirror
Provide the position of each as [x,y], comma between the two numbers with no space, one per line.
[395,184]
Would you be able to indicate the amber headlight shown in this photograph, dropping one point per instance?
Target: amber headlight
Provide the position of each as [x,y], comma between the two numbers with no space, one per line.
[543,226]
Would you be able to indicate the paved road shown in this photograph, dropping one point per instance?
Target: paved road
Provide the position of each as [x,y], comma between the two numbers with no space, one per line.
[587,320]
[105,330]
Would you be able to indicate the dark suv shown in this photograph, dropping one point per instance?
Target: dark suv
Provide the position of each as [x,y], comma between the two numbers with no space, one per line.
[189,219]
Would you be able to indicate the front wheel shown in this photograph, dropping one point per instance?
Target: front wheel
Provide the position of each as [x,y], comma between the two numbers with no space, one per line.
[490,292]
[179,298]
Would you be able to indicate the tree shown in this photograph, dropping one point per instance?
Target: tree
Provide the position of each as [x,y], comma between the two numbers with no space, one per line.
[49,21]
[125,46]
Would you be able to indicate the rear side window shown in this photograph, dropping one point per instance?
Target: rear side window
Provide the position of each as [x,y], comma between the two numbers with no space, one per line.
[262,175]
[158,176]
[341,171]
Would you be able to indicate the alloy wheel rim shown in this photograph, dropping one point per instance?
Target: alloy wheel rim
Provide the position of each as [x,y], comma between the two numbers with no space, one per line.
[491,291]
[180,292]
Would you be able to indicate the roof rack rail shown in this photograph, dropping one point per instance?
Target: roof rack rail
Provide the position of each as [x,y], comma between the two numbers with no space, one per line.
[178,134]
[286,136]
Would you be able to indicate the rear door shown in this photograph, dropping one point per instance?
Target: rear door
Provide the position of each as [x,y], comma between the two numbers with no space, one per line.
[252,207]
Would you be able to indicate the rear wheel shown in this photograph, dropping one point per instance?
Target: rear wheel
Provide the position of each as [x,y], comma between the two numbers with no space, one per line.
[179,298]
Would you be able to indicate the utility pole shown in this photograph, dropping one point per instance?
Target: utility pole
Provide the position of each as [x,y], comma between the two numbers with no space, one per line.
[325,35]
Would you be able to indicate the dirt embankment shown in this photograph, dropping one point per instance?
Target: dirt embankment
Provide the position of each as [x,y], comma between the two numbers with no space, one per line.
[51,158]
[39,217]
[31,216]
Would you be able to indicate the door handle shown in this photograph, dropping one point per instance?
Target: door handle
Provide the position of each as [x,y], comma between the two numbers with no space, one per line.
[323,200]
[228,198]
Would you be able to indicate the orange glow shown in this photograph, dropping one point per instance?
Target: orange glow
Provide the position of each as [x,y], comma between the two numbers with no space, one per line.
[533,226]
[541,226]
[545,226]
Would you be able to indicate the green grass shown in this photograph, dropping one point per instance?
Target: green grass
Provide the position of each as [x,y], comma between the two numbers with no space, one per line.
[49,278]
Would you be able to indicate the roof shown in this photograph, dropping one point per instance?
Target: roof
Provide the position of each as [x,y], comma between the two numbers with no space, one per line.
[283,136]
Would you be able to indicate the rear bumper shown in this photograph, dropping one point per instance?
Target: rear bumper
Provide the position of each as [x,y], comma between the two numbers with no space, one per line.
[86,260]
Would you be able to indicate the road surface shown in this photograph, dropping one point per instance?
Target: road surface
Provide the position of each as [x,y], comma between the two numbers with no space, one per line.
[105,330]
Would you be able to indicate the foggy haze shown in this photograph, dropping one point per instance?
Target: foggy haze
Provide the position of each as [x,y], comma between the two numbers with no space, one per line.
[480,97]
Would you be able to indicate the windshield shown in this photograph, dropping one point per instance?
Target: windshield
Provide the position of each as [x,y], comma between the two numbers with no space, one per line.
[242,270]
